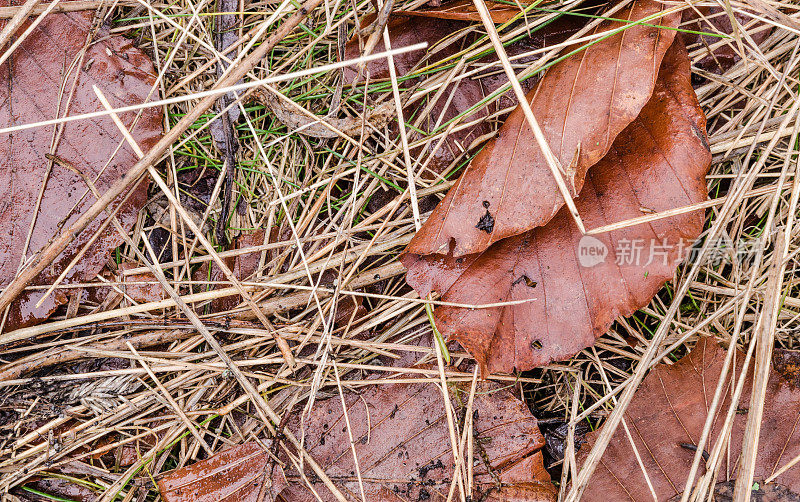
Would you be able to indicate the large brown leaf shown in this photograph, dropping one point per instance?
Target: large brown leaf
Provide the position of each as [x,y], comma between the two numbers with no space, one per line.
[581,104]
[403,446]
[669,410]
[657,163]
[30,92]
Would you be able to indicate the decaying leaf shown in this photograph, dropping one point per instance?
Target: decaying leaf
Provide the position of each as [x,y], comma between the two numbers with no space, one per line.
[403,445]
[787,363]
[58,489]
[575,287]
[140,287]
[350,126]
[237,474]
[666,418]
[581,104]
[37,82]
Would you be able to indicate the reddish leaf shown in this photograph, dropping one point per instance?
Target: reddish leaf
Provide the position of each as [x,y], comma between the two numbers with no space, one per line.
[403,446]
[30,92]
[508,188]
[658,163]
[670,409]
[234,475]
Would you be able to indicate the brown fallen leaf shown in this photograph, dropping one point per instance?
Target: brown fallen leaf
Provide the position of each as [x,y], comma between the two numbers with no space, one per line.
[243,267]
[403,446]
[32,78]
[351,126]
[666,418]
[787,363]
[237,474]
[581,104]
[575,286]
[57,489]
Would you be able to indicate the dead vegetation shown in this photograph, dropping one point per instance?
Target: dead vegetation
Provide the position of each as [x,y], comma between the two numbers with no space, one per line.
[250,296]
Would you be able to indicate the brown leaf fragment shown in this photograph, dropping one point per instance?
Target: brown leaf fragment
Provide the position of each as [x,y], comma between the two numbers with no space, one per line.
[243,267]
[403,446]
[237,474]
[669,410]
[586,99]
[294,119]
[31,91]
[573,286]
[57,489]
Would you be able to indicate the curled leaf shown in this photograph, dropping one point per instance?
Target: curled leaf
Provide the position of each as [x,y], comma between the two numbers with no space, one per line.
[573,287]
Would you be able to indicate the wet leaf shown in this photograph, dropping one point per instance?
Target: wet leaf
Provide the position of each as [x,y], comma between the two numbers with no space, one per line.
[403,445]
[31,92]
[581,104]
[669,410]
[57,489]
[237,474]
[243,267]
[787,363]
[575,287]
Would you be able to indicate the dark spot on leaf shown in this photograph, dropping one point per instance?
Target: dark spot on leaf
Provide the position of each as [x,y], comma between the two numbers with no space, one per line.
[486,223]
[536,344]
